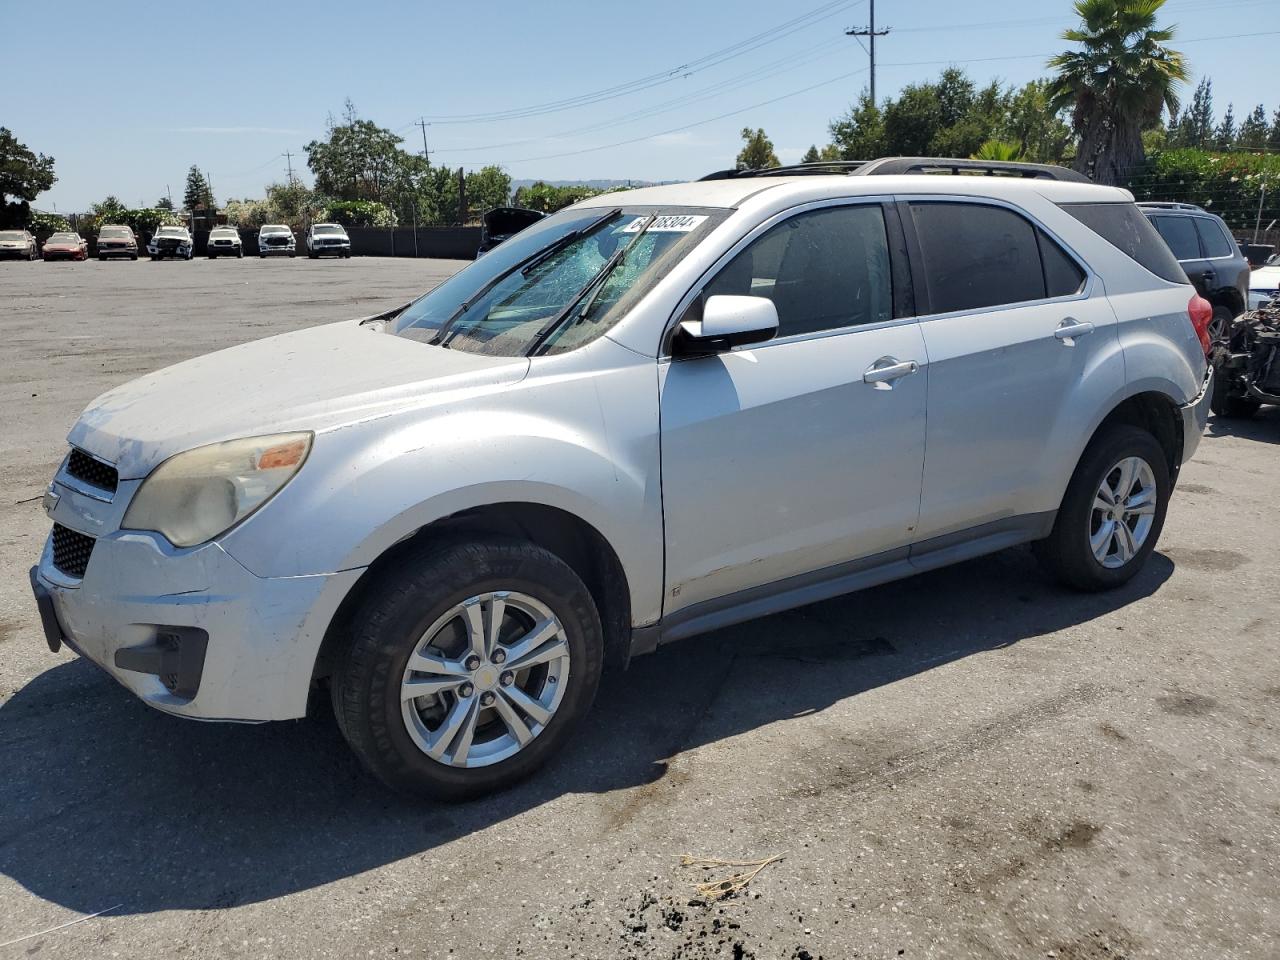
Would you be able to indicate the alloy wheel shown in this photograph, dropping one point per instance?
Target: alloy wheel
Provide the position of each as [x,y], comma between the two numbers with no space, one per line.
[485,679]
[1124,509]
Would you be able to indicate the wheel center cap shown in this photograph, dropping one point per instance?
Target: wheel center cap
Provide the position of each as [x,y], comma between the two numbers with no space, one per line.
[486,678]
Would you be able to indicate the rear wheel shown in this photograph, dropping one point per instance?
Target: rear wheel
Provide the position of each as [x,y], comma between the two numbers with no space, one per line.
[1220,323]
[1113,511]
[468,665]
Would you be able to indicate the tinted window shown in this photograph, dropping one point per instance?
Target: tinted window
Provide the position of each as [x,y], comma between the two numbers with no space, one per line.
[1123,226]
[1215,242]
[1180,234]
[823,270]
[977,256]
[1062,275]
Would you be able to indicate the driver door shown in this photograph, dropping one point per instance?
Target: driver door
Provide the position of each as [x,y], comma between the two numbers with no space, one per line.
[794,456]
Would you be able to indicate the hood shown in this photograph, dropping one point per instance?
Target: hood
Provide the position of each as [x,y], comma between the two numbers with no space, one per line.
[315,379]
[1265,278]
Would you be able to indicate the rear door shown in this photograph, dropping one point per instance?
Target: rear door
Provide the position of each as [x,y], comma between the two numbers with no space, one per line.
[1013,324]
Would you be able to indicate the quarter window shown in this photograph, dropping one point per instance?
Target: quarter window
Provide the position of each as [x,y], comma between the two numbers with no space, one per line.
[977,255]
[1180,234]
[1215,242]
[1062,275]
[823,270]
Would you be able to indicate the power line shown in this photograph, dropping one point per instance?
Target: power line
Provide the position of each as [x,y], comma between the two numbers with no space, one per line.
[870,32]
[682,71]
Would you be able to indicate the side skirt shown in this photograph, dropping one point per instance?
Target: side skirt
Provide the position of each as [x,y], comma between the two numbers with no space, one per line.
[843,578]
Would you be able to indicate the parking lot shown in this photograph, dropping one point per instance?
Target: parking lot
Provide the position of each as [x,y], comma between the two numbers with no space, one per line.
[973,763]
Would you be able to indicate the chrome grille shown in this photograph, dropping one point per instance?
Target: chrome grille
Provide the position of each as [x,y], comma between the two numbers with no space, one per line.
[71,551]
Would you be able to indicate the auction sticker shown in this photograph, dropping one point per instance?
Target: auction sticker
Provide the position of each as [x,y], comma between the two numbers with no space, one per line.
[666,224]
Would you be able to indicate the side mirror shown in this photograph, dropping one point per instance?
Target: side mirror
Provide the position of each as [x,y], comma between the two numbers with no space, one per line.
[727,322]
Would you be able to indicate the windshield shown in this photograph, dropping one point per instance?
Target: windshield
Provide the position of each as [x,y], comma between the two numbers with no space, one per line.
[602,263]
[223,232]
[272,229]
[171,232]
[326,228]
[114,232]
[12,235]
[65,238]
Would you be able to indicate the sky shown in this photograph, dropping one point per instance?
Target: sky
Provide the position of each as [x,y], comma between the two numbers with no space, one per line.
[127,96]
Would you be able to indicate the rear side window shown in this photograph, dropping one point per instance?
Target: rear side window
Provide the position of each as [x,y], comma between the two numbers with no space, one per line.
[1215,242]
[977,256]
[823,270]
[1062,275]
[1124,227]
[1180,234]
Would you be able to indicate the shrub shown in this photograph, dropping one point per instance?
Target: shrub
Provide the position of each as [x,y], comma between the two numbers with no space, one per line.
[1228,184]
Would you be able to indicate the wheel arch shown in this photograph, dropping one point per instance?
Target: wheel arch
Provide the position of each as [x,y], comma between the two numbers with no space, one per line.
[1152,410]
[571,538]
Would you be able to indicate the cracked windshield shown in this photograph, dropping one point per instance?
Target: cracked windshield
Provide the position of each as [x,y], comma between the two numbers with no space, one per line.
[558,285]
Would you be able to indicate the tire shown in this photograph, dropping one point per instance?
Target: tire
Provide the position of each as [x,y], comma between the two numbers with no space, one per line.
[1067,553]
[133,256]
[313,256]
[155,258]
[263,256]
[407,606]
[213,256]
[239,254]
[102,258]
[1220,323]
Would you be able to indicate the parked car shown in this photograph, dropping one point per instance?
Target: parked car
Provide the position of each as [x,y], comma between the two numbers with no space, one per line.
[65,246]
[171,242]
[328,238]
[648,416]
[224,242]
[275,239]
[1264,283]
[1209,255]
[1247,363]
[117,241]
[18,245]
[503,223]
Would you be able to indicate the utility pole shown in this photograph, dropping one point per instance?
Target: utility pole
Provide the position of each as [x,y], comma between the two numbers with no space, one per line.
[288,159]
[871,33]
[425,156]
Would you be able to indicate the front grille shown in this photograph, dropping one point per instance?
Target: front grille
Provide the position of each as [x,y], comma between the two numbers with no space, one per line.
[93,472]
[277,241]
[71,551]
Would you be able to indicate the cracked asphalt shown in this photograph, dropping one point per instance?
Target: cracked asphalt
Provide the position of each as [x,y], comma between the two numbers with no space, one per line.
[973,763]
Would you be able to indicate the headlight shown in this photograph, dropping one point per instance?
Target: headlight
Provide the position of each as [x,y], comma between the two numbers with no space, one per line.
[197,495]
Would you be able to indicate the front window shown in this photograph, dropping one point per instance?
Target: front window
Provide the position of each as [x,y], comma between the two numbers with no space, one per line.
[12,235]
[114,232]
[65,238]
[171,232]
[559,284]
[326,229]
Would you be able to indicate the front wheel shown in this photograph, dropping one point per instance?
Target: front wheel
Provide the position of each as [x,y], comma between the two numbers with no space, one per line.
[1113,511]
[468,666]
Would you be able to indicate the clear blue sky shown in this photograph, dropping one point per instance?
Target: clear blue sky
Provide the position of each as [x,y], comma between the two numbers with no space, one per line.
[140,91]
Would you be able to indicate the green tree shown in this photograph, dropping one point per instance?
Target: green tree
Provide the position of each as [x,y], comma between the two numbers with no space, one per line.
[197,195]
[1196,126]
[24,174]
[1273,138]
[1225,137]
[110,210]
[859,133]
[164,203]
[548,198]
[1254,129]
[487,188]
[1117,83]
[998,150]
[1029,121]
[757,151]
[357,159]
[811,155]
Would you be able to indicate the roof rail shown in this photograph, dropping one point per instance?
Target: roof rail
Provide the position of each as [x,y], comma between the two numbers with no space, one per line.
[897,166]
[1170,205]
[819,167]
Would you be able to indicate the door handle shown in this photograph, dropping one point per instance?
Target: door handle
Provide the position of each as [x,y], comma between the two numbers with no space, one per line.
[1070,328]
[884,371]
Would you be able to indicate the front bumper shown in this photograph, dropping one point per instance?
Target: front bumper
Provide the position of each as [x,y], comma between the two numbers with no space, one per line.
[14,254]
[117,251]
[277,251]
[259,635]
[1195,415]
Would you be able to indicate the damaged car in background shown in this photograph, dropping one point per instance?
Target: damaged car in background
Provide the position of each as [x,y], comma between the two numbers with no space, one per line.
[1247,363]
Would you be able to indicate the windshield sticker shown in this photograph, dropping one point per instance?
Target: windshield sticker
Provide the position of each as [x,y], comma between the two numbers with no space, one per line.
[668,224]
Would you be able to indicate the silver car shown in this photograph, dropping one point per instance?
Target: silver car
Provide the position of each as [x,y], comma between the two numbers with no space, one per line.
[651,415]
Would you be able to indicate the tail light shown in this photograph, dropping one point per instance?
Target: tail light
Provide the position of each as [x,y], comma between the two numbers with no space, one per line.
[1200,311]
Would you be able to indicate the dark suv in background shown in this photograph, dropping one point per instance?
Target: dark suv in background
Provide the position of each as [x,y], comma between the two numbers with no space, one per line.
[1211,258]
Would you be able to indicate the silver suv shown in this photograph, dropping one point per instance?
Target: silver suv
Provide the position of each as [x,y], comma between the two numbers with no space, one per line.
[651,415]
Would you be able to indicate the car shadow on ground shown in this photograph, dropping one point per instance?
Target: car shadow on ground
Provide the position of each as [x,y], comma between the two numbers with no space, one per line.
[1263,426]
[109,802]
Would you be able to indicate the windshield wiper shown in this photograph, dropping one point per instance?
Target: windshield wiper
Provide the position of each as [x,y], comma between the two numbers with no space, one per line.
[592,288]
[524,266]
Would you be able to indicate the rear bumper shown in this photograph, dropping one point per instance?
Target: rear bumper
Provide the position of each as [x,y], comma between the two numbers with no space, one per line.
[1195,415]
[241,647]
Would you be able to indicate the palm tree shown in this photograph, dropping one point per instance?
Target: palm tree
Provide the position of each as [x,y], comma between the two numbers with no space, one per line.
[1116,84]
[998,150]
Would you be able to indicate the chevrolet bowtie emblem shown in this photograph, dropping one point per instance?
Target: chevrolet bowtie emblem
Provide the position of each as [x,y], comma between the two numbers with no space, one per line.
[50,501]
